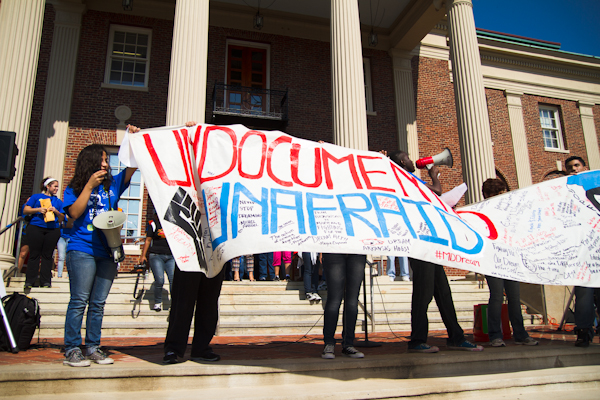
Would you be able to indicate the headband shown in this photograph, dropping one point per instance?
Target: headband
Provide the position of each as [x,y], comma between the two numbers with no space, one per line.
[49,181]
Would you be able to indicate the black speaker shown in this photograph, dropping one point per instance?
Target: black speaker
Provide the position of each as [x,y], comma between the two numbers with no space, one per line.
[8,153]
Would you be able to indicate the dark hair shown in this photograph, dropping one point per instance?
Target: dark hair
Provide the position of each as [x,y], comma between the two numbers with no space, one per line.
[89,161]
[493,187]
[396,156]
[573,158]
[42,186]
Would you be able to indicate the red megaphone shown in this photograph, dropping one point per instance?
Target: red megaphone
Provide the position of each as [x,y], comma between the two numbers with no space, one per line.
[444,158]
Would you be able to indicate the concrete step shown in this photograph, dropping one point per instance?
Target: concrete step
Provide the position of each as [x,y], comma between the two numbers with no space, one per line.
[515,372]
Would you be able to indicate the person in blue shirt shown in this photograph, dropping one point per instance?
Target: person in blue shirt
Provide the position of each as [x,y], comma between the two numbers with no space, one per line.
[43,232]
[91,267]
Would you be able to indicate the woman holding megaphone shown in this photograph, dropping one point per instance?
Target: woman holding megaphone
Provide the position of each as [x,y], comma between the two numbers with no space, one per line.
[91,266]
[44,231]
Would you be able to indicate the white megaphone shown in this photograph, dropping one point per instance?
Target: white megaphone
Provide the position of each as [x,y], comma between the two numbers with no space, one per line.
[444,158]
[110,224]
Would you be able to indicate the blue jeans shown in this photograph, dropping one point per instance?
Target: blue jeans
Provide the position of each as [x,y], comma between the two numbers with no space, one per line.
[584,309]
[61,247]
[311,274]
[159,264]
[345,273]
[90,279]
[265,260]
[391,266]
[513,294]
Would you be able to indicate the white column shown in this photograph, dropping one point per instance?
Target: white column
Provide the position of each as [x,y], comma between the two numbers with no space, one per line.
[471,107]
[589,134]
[405,104]
[187,79]
[519,138]
[348,83]
[20,35]
[59,92]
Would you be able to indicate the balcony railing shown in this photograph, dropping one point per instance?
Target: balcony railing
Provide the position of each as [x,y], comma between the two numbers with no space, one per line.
[241,101]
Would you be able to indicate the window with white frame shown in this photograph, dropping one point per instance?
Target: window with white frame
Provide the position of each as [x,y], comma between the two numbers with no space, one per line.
[131,199]
[128,58]
[551,131]
[368,89]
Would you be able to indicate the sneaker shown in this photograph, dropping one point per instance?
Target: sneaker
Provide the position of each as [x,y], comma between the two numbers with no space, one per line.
[392,278]
[465,345]
[309,297]
[423,348]
[157,307]
[498,343]
[316,297]
[170,358]
[27,286]
[527,342]
[262,279]
[287,278]
[99,357]
[209,356]
[276,279]
[76,359]
[406,278]
[46,285]
[328,352]
[352,352]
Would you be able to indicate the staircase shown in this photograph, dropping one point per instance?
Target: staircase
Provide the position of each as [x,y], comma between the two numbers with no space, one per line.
[251,308]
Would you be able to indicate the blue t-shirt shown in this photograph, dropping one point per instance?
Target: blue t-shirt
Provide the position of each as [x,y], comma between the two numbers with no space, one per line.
[82,236]
[38,218]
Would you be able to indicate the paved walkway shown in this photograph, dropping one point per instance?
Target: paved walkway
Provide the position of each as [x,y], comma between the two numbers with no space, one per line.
[150,349]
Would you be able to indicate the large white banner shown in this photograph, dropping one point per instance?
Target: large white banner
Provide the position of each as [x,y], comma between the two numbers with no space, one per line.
[224,191]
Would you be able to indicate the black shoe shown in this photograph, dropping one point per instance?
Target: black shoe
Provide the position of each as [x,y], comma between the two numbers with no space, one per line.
[583,337]
[27,286]
[208,356]
[276,279]
[170,358]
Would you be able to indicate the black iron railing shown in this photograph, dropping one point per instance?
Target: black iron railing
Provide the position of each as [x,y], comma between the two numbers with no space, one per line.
[242,101]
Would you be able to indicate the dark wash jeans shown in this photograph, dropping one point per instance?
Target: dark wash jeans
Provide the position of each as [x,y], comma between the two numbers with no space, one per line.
[584,309]
[430,281]
[311,274]
[513,294]
[345,273]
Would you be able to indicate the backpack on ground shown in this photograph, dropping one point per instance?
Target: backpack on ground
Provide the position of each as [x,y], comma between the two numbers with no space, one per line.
[23,315]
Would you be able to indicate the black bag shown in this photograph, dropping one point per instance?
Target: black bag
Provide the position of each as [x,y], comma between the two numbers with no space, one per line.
[23,314]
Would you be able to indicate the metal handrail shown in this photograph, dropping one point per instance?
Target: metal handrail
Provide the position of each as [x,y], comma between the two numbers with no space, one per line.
[253,102]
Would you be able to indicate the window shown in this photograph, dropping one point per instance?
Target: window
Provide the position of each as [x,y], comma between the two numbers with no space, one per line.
[128,57]
[552,134]
[368,89]
[131,200]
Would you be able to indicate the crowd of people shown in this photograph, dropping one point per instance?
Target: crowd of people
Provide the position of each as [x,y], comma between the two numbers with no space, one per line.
[67,226]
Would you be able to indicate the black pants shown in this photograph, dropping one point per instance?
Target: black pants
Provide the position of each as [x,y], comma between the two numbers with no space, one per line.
[430,281]
[193,289]
[42,242]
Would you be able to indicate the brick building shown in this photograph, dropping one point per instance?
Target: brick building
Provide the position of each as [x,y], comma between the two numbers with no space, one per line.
[505,105]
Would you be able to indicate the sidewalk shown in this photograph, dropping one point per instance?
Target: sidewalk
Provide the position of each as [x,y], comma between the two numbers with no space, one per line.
[150,349]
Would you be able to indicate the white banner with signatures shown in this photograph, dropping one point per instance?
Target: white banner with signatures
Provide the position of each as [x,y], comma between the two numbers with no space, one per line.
[225,191]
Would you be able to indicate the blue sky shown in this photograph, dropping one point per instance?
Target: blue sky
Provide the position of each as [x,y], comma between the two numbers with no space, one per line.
[575,24]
